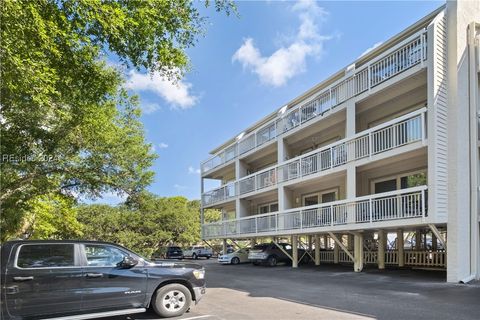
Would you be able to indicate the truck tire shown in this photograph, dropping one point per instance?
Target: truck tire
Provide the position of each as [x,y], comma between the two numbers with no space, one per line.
[172,300]
[235,260]
[194,256]
[272,261]
[208,257]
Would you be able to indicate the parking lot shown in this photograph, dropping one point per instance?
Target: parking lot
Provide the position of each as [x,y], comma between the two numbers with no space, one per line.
[329,292]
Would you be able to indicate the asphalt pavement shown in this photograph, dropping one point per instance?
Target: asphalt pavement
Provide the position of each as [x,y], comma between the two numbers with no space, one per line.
[328,292]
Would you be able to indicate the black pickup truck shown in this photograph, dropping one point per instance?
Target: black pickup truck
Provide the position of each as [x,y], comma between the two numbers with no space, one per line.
[88,280]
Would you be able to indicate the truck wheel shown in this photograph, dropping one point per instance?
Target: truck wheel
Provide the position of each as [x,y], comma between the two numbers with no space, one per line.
[272,261]
[235,260]
[194,256]
[208,257]
[172,300]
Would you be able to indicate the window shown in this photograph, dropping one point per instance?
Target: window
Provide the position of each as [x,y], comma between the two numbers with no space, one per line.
[385,186]
[310,200]
[268,207]
[413,180]
[46,256]
[104,256]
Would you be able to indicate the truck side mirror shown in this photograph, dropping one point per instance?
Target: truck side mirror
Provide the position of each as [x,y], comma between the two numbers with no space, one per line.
[128,262]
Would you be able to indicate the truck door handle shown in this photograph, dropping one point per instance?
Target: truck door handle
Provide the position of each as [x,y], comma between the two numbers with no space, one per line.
[23,278]
[94,275]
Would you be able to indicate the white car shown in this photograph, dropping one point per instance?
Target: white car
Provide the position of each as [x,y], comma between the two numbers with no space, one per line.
[196,252]
[236,257]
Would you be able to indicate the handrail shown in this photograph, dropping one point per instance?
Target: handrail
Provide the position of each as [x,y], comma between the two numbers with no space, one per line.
[334,203]
[393,205]
[344,145]
[358,86]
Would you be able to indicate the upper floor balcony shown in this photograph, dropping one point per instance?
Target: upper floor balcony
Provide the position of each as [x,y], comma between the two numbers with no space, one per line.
[391,135]
[361,212]
[386,65]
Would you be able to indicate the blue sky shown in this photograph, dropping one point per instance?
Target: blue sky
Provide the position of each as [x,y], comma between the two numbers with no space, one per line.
[246,67]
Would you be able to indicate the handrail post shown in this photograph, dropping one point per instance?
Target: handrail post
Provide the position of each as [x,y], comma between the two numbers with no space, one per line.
[301,219]
[370,209]
[423,129]
[331,214]
[256,225]
[370,145]
[331,157]
[423,204]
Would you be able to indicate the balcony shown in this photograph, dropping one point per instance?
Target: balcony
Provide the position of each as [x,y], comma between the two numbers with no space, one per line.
[394,205]
[401,57]
[393,134]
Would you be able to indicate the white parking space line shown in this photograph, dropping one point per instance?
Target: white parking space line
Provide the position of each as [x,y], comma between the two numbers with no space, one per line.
[198,317]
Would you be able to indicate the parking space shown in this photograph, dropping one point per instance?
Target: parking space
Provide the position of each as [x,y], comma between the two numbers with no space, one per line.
[329,292]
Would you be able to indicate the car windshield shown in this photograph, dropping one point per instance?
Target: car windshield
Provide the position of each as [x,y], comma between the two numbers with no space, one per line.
[174,248]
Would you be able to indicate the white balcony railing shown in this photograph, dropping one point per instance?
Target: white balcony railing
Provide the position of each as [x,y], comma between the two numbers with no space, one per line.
[387,136]
[220,194]
[388,64]
[394,205]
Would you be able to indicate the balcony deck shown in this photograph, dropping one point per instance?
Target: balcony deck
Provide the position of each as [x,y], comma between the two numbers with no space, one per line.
[365,146]
[406,206]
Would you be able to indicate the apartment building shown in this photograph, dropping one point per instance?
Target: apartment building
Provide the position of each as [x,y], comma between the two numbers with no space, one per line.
[378,164]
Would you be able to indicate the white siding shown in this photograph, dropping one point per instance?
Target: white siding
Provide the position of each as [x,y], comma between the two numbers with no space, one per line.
[437,121]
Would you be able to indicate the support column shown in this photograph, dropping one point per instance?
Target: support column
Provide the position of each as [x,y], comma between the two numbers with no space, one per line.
[418,239]
[358,254]
[350,242]
[325,242]
[336,251]
[224,246]
[400,248]
[242,208]
[434,242]
[317,250]
[294,252]
[382,237]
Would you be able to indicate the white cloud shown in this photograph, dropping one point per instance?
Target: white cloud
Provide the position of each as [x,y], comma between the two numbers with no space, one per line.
[192,170]
[162,145]
[289,60]
[148,108]
[178,95]
[371,48]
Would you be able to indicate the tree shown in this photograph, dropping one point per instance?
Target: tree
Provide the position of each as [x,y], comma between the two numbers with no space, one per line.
[68,126]
[52,217]
[146,227]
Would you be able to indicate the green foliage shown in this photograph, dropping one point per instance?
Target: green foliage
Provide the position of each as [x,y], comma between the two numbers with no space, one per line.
[52,217]
[144,226]
[68,126]
[212,215]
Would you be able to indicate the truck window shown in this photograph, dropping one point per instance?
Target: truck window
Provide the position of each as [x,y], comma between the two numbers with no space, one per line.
[45,256]
[103,255]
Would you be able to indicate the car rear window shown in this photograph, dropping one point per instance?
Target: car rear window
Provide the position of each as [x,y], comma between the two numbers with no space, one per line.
[260,247]
[45,255]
